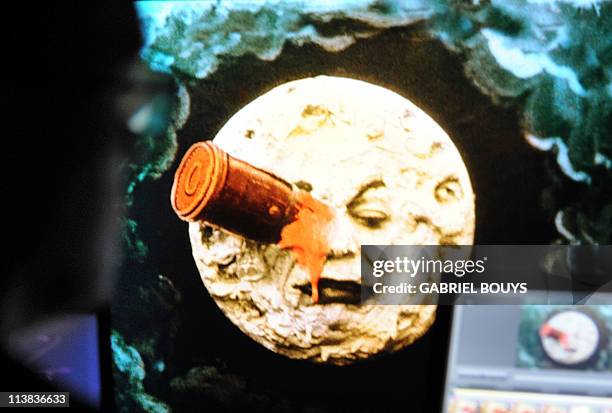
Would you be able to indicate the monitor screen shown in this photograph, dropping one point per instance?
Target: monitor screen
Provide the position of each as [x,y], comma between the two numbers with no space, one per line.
[530,359]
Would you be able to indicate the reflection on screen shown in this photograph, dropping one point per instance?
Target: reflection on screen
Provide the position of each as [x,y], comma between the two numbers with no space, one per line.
[64,351]
[530,359]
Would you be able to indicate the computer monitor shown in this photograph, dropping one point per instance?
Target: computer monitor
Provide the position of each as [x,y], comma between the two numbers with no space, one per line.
[530,359]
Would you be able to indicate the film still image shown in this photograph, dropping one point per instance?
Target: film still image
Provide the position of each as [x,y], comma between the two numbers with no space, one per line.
[565,337]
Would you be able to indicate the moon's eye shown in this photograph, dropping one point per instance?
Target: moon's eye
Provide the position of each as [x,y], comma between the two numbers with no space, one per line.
[368,206]
[371,213]
[448,190]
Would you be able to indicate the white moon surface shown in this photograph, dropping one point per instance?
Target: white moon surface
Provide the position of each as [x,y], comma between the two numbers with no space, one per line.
[393,177]
[582,338]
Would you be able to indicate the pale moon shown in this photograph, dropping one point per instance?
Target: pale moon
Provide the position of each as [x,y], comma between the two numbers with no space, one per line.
[392,175]
[581,338]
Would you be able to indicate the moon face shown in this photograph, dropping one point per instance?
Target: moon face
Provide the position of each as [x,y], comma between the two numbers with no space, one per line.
[570,338]
[391,174]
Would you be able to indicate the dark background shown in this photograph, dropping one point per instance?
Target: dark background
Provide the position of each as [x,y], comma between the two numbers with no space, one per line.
[62,67]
